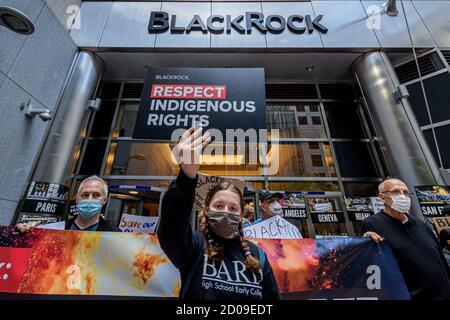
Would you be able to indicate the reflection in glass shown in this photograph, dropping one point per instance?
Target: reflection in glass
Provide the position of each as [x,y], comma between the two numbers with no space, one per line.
[156,159]
[126,119]
[299,160]
[303,186]
[301,120]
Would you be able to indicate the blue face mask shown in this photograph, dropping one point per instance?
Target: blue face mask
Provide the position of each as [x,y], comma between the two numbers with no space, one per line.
[89,208]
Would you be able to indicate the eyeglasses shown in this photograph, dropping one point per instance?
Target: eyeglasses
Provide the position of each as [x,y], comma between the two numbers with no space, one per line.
[406,193]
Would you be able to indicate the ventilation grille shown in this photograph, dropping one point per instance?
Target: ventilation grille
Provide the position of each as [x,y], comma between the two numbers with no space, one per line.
[132,90]
[337,91]
[427,64]
[291,91]
[446,54]
[110,90]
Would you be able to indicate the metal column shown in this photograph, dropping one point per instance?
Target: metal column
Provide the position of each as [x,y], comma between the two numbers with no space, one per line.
[406,151]
[60,150]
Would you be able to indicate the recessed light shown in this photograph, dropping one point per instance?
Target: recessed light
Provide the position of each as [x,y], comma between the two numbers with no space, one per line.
[16,21]
[309,68]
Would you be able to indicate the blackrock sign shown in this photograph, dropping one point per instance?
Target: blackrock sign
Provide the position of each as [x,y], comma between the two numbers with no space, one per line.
[161,22]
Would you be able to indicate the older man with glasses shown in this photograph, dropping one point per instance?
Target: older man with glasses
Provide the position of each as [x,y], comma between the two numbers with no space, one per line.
[418,253]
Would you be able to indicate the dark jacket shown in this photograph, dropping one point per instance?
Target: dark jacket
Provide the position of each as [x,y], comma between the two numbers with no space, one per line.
[103,225]
[200,278]
[418,254]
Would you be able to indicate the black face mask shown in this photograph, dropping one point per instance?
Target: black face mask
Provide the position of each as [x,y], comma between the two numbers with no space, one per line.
[224,224]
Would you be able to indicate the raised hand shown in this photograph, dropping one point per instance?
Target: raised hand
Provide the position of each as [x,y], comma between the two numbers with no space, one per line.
[189,148]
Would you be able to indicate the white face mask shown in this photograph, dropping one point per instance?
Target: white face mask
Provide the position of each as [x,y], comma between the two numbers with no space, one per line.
[275,207]
[401,203]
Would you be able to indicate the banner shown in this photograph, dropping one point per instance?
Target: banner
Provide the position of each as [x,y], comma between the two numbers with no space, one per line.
[432,200]
[358,208]
[273,228]
[44,198]
[134,223]
[133,264]
[174,98]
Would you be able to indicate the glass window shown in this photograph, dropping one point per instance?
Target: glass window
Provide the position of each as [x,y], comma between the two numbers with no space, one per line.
[314,145]
[316,160]
[303,120]
[438,95]
[126,119]
[443,139]
[103,119]
[316,120]
[93,157]
[303,186]
[355,160]
[360,189]
[429,138]
[417,103]
[295,160]
[292,120]
[156,159]
[344,120]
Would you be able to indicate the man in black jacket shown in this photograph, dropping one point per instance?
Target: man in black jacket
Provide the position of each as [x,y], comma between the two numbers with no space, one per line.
[413,243]
[91,197]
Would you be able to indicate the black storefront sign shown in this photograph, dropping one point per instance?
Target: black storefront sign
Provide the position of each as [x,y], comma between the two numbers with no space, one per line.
[160,22]
[328,217]
[433,199]
[226,99]
[45,198]
[358,216]
[293,213]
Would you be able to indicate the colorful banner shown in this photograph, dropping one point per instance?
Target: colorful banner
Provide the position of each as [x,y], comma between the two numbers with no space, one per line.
[273,228]
[432,200]
[133,264]
[134,223]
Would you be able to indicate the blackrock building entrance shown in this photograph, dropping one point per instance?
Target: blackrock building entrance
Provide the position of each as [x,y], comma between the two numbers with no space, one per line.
[355,94]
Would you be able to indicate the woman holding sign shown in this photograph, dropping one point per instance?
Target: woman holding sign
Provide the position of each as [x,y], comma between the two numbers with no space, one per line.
[216,262]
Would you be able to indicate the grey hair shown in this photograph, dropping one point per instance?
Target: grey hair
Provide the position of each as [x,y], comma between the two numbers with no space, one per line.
[382,184]
[94,178]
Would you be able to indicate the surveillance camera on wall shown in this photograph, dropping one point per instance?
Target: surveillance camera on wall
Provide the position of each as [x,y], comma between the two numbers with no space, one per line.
[31,112]
[46,116]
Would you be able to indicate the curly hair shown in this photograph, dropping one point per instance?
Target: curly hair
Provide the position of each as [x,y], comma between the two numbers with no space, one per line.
[214,249]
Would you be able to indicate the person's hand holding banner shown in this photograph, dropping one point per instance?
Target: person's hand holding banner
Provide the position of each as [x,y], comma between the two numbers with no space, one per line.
[189,148]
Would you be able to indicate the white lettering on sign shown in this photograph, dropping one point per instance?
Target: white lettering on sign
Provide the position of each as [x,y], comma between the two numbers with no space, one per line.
[325,217]
[188,91]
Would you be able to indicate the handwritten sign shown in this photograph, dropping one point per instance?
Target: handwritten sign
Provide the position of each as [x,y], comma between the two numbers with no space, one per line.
[133,223]
[273,228]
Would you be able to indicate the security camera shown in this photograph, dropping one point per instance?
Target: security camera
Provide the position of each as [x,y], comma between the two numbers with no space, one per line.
[31,112]
[46,116]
